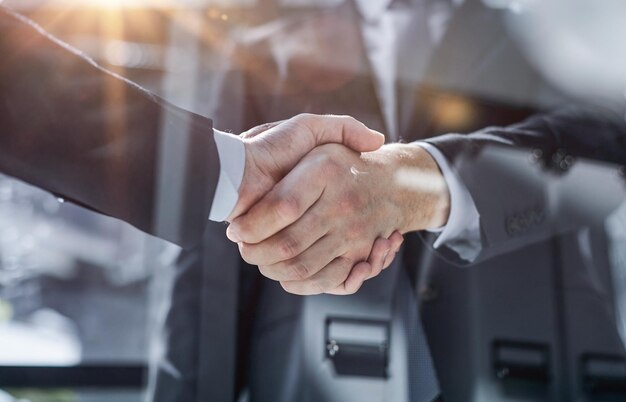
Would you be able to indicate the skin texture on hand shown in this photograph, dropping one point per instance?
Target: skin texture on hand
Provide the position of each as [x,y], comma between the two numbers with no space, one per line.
[273,149]
[325,215]
[383,254]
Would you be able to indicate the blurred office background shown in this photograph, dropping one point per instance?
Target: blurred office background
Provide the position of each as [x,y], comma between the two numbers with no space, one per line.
[82,296]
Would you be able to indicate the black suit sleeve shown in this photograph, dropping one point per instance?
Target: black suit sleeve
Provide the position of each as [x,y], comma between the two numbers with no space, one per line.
[85,134]
[513,203]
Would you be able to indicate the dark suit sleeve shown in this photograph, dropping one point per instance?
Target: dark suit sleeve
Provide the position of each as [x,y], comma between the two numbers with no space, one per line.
[513,203]
[85,134]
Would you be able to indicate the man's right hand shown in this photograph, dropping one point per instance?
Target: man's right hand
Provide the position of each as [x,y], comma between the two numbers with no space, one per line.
[272,150]
[324,216]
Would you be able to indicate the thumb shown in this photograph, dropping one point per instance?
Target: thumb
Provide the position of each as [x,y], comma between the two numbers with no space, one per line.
[287,142]
[372,140]
[344,130]
[272,150]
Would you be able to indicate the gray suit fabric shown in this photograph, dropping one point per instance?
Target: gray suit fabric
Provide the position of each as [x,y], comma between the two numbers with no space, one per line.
[63,131]
[512,296]
[478,64]
[513,205]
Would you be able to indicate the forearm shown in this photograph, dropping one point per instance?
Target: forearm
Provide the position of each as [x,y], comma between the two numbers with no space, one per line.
[512,200]
[414,185]
[73,128]
[583,130]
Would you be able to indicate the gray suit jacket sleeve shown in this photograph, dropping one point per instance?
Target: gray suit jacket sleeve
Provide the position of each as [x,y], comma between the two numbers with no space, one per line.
[87,135]
[512,204]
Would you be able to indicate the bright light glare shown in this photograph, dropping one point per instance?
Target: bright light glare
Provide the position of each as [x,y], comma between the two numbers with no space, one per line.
[136,3]
[577,44]
[120,4]
[418,180]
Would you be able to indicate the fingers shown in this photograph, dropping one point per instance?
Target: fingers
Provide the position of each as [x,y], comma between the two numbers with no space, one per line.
[309,276]
[326,280]
[396,240]
[288,243]
[343,130]
[308,264]
[281,207]
[378,255]
[382,255]
[279,147]
[274,149]
[359,274]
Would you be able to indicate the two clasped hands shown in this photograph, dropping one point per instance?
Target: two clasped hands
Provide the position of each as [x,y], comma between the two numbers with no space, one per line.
[321,208]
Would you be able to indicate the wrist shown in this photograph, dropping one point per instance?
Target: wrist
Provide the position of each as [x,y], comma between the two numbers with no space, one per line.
[254,183]
[416,186]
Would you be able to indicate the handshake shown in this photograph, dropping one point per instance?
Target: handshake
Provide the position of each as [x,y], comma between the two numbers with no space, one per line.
[323,205]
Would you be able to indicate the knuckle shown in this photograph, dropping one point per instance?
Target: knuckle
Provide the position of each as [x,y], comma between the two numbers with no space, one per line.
[346,265]
[299,270]
[288,287]
[347,119]
[303,118]
[315,286]
[305,288]
[316,220]
[267,272]
[295,288]
[347,291]
[319,287]
[287,208]
[376,271]
[288,247]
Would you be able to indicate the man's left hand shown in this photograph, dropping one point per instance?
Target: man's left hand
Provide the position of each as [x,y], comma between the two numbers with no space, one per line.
[324,216]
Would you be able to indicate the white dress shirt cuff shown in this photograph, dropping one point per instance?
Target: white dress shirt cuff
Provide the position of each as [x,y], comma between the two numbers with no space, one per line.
[462,231]
[232,155]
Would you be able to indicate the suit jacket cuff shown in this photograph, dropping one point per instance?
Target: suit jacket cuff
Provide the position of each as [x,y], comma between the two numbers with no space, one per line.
[462,231]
